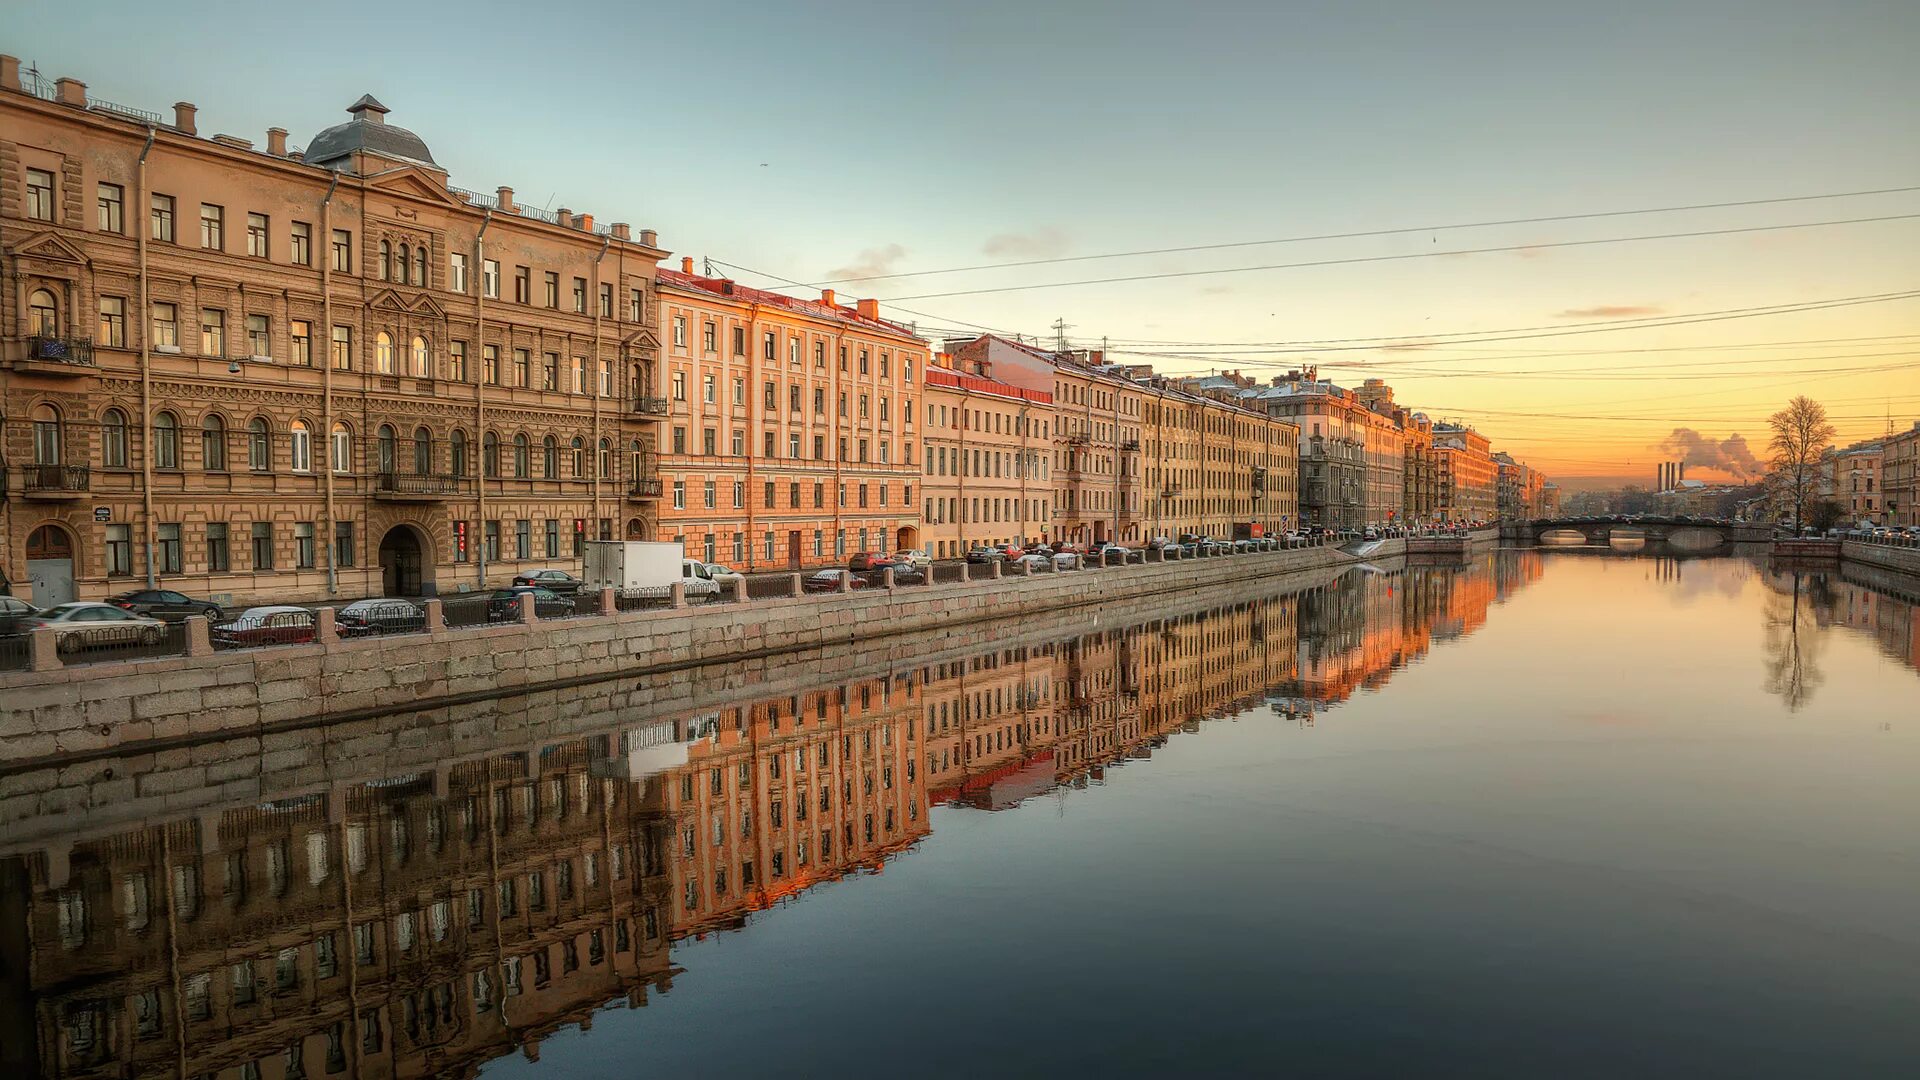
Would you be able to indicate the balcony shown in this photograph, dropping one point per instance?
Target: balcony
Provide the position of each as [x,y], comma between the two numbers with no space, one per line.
[420,487]
[643,490]
[55,481]
[650,406]
[1130,445]
[68,356]
[1079,438]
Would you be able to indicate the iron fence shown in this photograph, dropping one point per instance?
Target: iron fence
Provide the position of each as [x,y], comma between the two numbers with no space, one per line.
[98,645]
[379,619]
[769,586]
[279,628]
[462,611]
[16,652]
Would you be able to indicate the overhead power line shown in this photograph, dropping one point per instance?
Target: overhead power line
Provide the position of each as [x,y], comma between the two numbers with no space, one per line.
[1403,256]
[1454,226]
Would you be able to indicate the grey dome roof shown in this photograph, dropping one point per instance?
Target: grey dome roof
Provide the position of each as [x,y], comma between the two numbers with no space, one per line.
[369,131]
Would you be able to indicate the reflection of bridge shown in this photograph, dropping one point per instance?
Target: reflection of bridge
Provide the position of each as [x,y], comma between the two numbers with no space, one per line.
[1601,530]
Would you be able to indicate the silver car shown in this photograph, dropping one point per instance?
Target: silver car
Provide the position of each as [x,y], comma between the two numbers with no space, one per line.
[86,625]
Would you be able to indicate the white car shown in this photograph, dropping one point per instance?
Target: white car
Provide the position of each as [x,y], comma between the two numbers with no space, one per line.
[88,625]
[915,558]
[724,575]
[1035,564]
[1066,560]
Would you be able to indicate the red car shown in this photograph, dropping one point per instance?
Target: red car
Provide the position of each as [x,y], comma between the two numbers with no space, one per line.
[266,626]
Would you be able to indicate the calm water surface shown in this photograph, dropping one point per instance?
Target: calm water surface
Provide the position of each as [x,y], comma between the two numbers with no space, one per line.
[1551,813]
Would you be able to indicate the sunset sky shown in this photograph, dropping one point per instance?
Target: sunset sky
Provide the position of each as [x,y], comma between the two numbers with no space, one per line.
[808,142]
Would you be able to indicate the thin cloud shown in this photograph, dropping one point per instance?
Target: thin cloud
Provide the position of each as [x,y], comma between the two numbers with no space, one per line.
[1611,311]
[1043,243]
[873,262]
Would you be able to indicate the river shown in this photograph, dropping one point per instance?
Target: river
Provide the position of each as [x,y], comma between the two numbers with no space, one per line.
[1543,813]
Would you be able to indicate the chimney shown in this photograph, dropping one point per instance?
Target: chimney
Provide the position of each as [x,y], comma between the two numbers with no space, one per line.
[621,232]
[9,72]
[726,287]
[277,141]
[586,222]
[565,217]
[1681,475]
[504,197]
[183,117]
[868,308]
[686,264]
[826,297]
[649,238]
[70,92]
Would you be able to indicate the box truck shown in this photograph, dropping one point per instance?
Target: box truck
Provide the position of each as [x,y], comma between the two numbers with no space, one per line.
[645,569]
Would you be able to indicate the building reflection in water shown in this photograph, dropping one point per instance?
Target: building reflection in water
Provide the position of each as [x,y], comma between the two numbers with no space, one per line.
[422,925]
[1805,602]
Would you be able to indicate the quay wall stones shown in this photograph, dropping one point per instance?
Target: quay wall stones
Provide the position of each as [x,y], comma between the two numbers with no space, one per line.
[78,713]
[1904,560]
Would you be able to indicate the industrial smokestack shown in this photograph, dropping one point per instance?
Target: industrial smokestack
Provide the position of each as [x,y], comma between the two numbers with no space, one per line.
[1680,475]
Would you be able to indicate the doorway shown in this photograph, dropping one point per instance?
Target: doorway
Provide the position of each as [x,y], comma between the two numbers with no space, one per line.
[402,566]
[793,549]
[50,565]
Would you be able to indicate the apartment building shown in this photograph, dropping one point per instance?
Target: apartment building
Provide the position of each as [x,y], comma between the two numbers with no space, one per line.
[988,459]
[1468,478]
[791,426]
[254,373]
[1215,467]
[1900,476]
[1352,458]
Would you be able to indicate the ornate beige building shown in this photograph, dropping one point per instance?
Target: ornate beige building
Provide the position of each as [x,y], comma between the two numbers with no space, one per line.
[250,372]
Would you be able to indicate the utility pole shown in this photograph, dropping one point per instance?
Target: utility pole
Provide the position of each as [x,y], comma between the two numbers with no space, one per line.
[1060,327]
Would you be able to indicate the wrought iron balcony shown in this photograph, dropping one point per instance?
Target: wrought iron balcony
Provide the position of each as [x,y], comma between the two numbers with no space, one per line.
[1130,444]
[650,406]
[420,487]
[644,489]
[1079,438]
[58,356]
[55,481]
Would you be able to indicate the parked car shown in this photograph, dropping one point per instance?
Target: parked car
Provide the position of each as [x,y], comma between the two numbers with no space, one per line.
[903,574]
[1370,533]
[558,581]
[1035,563]
[278,624]
[1067,560]
[863,561]
[165,604]
[723,575]
[825,581]
[986,555]
[504,604]
[382,616]
[915,558]
[14,611]
[85,625]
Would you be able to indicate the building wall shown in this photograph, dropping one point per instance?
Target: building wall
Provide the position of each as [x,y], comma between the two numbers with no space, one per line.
[1469,479]
[987,461]
[1900,476]
[814,449]
[109,489]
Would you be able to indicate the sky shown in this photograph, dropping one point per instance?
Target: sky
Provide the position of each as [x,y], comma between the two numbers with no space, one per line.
[812,142]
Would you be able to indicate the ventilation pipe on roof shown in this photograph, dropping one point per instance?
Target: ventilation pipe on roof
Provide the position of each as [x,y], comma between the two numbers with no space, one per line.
[826,297]
[686,264]
[277,141]
[183,113]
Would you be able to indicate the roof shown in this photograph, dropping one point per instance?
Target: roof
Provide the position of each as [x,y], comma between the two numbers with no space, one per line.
[747,294]
[368,131]
[939,376]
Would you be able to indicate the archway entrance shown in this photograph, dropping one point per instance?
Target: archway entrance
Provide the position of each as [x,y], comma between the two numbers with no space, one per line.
[907,539]
[50,565]
[404,570]
[636,530]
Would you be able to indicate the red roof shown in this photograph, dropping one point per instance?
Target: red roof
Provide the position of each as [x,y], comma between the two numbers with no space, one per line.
[938,376]
[733,290]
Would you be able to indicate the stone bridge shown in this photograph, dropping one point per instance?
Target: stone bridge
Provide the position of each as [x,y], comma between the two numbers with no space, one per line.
[1693,532]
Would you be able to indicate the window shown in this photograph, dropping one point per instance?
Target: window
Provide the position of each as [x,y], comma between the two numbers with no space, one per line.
[636,305]
[262,535]
[113,439]
[169,553]
[521,459]
[166,326]
[218,557]
[490,363]
[300,334]
[343,251]
[343,348]
[490,457]
[580,295]
[213,332]
[160,218]
[299,447]
[456,272]
[578,457]
[551,280]
[767,346]
[550,458]
[113,208]
[457,448]
[300,245]
[679,386]
[257,232]
[342,448]
[259,339]
[383,353]
[422,359]
[259,445]
[489,278]
[679,494]
[213,227]
[213,443]
[708,502]
[707,390]
[113,322]
[522,285]
[739,341]
[303,545]
[343,543]
[119,551]
[522,368]
[549,371]
[457,361]
[39,195]
[553,539]
[383,449]
[523,539]
[166,441]
[420,266]
[383,263]
[492,534]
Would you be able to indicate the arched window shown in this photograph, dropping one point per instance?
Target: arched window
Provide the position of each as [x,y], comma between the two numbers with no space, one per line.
[43,315]
[383,353]
[48,436]
[213,443]
[383,445]
[342,447]
[386,261]
[259,445]
[166,441]
[300,447]
[422,359]
[113,440]
[579,458]
[550,458]
[634,461]
[521,468]
[422,451]
[606,459]
[400,270]
[420,266]
[490,454]
[457,442]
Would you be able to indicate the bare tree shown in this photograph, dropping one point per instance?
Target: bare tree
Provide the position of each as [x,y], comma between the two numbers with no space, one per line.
[1801,435]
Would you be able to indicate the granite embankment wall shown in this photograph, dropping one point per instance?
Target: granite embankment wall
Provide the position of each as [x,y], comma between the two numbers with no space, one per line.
[1903,559]
[79,712]
[101,793]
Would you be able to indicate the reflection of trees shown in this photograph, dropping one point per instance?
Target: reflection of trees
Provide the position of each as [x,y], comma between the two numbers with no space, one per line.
[1793,612]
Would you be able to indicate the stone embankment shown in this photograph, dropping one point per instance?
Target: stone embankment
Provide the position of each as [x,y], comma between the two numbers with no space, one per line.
[1905,560]
[76,713]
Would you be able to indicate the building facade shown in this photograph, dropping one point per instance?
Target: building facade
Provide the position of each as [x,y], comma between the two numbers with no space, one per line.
[988,460]
[1352,456]
[261,374]
[1468,478]
[1900,476]
[791,437]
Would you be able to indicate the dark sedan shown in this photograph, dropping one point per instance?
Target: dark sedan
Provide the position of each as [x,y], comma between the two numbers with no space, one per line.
[558,581]
[504,604]
[12,611]
[829,581]
[165,604]
[382,616]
